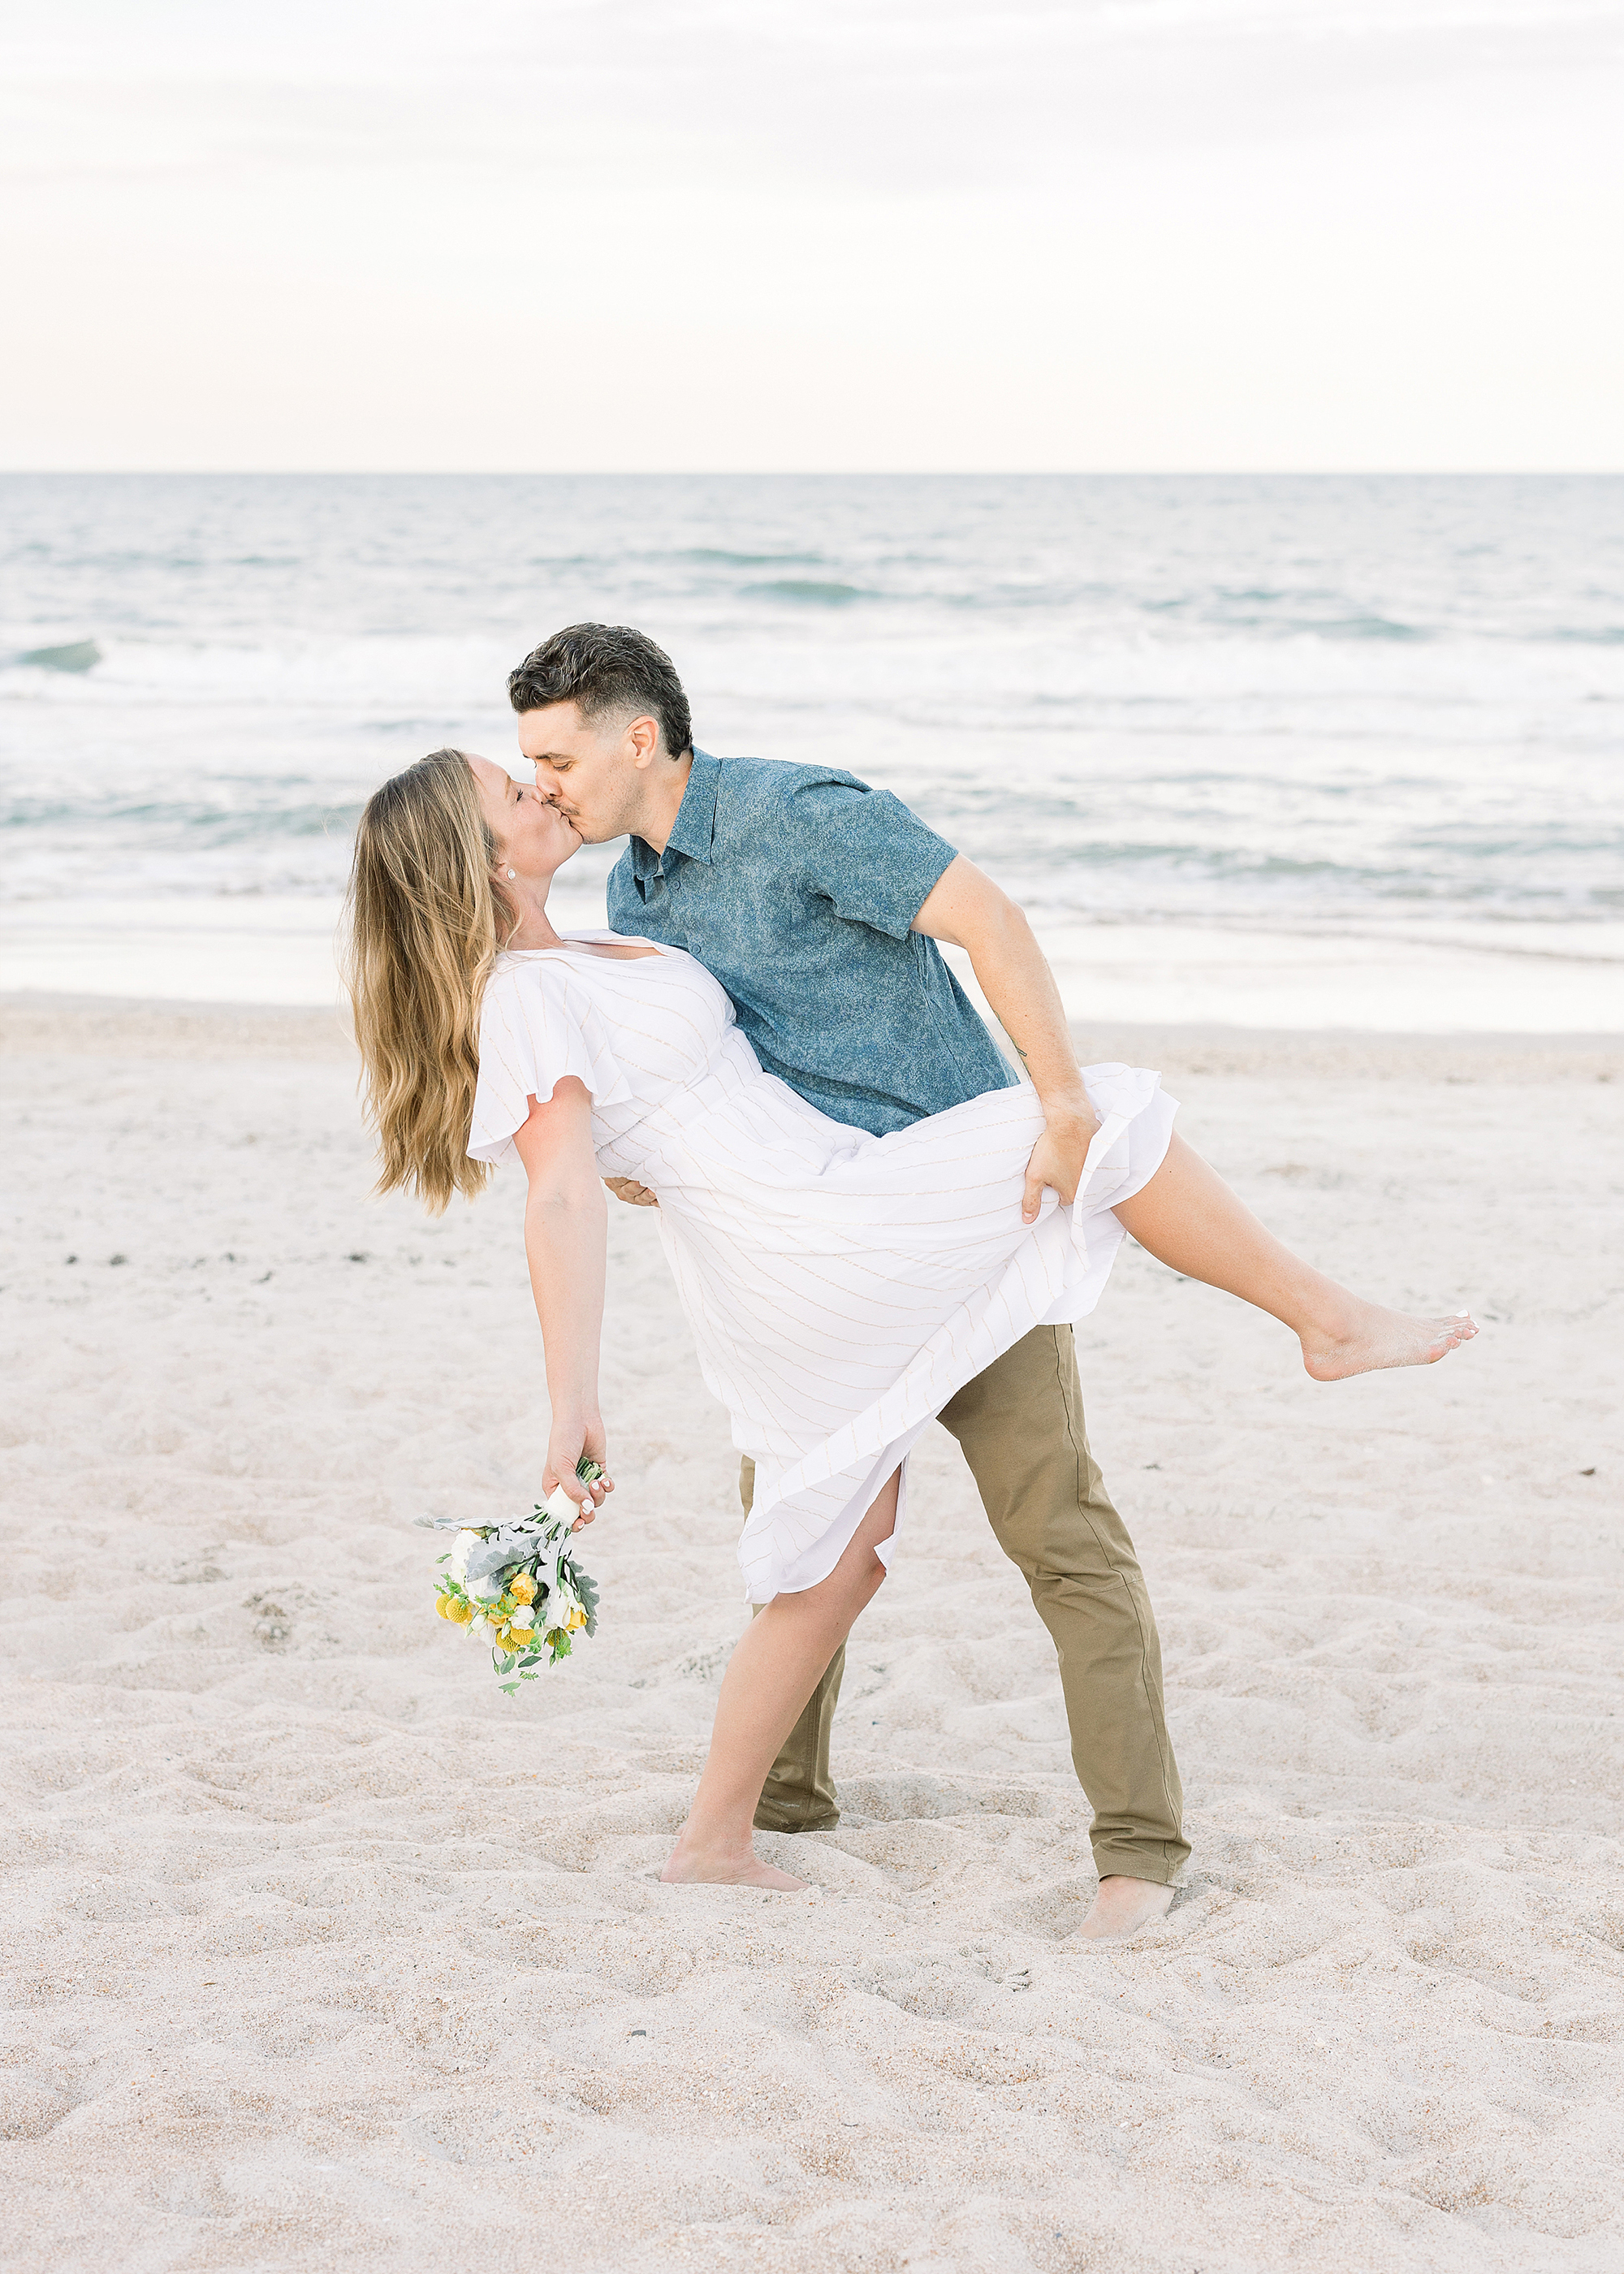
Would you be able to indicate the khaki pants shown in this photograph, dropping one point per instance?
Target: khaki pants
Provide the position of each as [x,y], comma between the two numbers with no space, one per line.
[1020,1428]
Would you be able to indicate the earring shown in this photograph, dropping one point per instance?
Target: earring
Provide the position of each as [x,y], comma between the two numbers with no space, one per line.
[513,872]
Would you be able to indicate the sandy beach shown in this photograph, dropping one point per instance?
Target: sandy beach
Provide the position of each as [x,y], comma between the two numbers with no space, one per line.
[322,1952]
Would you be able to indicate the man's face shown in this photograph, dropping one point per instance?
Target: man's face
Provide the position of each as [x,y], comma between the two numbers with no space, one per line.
[594,773]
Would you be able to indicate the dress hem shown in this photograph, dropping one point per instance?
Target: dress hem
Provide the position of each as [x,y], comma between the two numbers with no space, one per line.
[862,1438]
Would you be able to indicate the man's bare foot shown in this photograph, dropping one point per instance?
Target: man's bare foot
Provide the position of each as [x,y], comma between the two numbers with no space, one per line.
[693,1867]
[1122,1906]
[1365,1338]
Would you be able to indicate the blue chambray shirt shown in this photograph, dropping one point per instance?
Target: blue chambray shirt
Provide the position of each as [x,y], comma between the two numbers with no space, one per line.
[795,886]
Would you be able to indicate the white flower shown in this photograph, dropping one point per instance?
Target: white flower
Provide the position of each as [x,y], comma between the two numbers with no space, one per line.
[461,1548]
[524,1616]
[560,1602]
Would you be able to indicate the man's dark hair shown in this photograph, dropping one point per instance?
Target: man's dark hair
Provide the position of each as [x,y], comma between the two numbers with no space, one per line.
[603,668]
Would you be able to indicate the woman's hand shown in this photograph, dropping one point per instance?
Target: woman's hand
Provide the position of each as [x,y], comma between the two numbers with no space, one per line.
[568,1443]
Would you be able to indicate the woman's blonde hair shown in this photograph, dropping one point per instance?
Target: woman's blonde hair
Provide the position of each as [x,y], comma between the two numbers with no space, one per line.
[423,919]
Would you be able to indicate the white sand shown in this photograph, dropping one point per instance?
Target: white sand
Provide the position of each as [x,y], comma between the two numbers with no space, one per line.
[323,1953]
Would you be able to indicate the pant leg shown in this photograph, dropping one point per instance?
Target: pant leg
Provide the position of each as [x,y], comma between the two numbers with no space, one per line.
[799,1794]
[1020,1428]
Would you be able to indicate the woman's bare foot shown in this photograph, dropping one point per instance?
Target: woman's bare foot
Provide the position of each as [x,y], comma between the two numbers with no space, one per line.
[688,1866]
[1122,1906]
[1364,1336]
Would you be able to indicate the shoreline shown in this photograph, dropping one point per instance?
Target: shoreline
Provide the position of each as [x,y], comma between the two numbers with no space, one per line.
[34,1021]
[1548,978]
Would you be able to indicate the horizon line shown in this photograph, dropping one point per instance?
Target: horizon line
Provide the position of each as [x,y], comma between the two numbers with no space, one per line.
[837,473]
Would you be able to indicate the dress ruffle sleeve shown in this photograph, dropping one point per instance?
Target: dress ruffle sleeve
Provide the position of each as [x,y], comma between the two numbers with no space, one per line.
[538,1025]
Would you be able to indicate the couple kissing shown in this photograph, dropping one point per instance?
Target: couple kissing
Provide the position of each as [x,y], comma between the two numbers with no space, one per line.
[872,1221]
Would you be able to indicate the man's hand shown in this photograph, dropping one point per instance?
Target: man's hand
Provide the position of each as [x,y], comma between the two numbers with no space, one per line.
[628,1189]
[1057,1161]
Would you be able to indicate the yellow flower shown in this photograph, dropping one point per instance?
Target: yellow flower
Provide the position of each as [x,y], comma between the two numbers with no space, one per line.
[522,1587]
[460,1612]
[446,1605]
[577,1618]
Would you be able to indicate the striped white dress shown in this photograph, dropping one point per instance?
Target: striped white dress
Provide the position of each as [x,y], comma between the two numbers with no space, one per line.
[840,1287]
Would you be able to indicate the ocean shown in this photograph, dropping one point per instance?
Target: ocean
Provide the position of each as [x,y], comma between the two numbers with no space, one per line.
[1269,751]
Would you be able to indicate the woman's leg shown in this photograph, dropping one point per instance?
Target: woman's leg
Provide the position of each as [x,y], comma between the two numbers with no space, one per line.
[778,1664]
[1190,1220]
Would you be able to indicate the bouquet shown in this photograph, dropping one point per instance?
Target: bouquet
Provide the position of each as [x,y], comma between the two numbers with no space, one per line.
[519,1584]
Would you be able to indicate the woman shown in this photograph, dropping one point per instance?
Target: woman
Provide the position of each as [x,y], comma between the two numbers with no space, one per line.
[840,1287]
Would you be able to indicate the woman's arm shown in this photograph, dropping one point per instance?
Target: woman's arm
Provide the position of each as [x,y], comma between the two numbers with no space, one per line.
[566,1221]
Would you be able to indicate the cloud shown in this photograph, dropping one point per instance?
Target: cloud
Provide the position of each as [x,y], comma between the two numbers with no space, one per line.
[887,92]
[1131,231]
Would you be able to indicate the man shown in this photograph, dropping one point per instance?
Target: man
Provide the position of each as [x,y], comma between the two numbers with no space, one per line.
[817,903]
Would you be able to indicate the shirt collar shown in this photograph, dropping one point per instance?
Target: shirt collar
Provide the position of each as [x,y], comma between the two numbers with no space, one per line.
[694,826]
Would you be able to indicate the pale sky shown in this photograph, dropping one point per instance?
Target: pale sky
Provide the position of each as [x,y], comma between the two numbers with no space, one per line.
[812,234]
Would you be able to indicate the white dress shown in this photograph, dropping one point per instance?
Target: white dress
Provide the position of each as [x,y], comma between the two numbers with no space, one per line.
[840,1287]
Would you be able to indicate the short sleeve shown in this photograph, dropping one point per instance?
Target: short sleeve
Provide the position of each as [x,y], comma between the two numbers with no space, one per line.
[538,1025]
[866,854]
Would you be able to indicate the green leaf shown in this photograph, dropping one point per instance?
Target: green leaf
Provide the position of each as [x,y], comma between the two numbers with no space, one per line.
[509,1688]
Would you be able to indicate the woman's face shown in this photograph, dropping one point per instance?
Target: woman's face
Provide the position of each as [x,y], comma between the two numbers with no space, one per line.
[531,835]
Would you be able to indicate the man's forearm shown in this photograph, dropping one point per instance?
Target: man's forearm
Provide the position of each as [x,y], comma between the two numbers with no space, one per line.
[969,910]
[1014,974]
